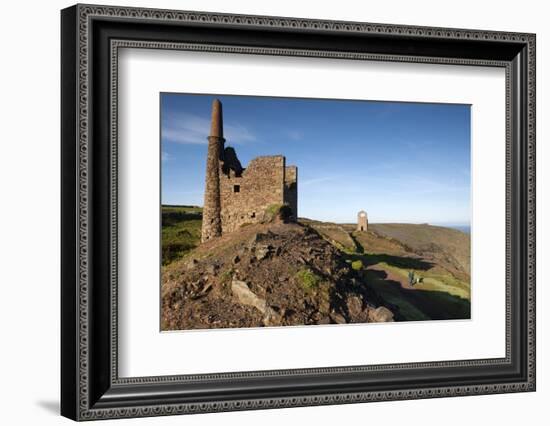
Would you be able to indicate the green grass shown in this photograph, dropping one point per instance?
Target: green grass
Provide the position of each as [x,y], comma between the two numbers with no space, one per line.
[335,235]
[181,231]
[441,294]
[227,276]
[357,265]
[277,210]
[392,294]
[308,279]
[438,280]
[448,245]
[273,209]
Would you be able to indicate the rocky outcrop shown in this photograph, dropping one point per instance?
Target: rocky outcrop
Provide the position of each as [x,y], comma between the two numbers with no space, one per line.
[266,275]
[380,314]
[246,297]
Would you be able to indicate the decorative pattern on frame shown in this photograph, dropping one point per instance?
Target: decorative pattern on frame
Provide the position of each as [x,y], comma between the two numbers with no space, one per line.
[86,13]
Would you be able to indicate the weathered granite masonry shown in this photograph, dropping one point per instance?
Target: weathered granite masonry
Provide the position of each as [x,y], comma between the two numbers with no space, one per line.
[211,214]
[234,195]
[362,221]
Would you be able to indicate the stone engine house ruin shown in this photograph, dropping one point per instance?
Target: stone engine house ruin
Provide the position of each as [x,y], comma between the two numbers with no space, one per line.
[362,221]
[235,195]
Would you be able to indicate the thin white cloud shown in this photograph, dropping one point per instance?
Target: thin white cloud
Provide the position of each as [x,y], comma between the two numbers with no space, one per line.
[188,128]
[164,156]
[316,181]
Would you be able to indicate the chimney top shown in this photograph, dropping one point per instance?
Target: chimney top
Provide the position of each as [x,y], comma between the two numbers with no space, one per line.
[216,126]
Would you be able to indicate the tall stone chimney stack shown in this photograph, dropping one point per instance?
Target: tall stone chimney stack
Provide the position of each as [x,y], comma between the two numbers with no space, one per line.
[211,214]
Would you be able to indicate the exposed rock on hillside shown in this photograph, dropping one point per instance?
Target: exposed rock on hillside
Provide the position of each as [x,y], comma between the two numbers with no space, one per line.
[266,275]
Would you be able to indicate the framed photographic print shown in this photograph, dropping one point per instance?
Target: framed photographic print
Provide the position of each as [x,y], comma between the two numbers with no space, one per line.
[263,212]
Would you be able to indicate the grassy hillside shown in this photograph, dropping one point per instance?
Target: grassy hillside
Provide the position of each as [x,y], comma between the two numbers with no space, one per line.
[437,258]
[451,244]
[336,234]
[383,260]
[181,231]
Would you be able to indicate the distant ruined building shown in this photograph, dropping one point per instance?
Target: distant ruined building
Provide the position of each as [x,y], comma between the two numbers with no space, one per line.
[234,195]
[362,221]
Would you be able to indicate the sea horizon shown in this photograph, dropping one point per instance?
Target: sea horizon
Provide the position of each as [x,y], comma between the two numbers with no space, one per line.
[463,228]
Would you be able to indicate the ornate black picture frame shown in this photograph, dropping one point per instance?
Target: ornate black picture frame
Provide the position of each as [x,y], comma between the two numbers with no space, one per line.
[91,37]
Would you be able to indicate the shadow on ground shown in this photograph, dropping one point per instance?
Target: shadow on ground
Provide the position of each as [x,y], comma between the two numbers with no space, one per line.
[404,262]
[417,304]
[50,406]
[358,246]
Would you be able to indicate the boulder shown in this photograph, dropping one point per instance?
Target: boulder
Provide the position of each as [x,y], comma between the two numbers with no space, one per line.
[263,251]
[380,314]
[246,296]
[272,317]
[355,306]
[337,318]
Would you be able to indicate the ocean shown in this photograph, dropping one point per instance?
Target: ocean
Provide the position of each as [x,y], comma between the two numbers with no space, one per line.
[462,228]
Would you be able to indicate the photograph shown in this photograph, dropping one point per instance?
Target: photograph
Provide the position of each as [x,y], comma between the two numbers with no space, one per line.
[283,211]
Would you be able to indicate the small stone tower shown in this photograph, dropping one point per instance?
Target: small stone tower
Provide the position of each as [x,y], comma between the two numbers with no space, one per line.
[211,215]
[362,221]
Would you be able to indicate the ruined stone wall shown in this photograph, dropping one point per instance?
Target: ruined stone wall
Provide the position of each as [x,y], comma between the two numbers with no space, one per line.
[245,198]
[291,190]
[234,196]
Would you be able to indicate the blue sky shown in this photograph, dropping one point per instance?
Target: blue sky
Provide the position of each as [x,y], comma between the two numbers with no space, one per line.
[400,162]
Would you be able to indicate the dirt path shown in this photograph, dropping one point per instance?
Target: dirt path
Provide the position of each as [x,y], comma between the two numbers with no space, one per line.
[392,276]
[433,304]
